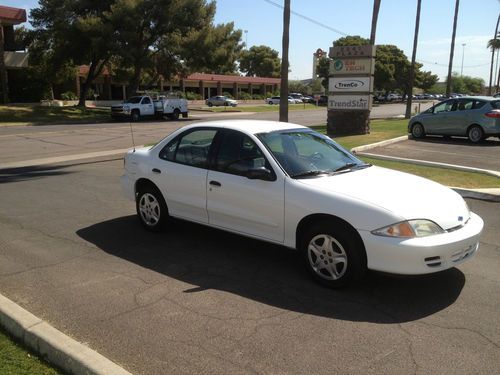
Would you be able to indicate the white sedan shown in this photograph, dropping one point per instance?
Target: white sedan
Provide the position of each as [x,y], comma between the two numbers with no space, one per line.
[286,184]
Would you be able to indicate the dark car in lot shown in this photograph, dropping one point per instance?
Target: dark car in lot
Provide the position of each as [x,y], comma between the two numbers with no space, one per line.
[474,117]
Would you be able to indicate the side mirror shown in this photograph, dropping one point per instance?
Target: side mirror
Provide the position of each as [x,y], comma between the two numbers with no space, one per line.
[261,173]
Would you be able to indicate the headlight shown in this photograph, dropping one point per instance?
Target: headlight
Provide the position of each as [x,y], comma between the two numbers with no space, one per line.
[410,229]
[126,109]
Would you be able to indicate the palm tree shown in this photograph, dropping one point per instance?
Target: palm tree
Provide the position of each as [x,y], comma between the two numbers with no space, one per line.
[494,45]
[491,44]
[450,65]
[413,58]
[376,7]
[284,63]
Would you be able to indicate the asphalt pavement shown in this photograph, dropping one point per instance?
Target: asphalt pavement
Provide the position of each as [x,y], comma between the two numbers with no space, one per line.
[198,300]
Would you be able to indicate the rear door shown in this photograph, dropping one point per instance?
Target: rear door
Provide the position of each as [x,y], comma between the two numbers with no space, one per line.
[235,202]
[181,173]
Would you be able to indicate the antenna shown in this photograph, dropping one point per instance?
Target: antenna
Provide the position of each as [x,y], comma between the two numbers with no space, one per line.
[132,133]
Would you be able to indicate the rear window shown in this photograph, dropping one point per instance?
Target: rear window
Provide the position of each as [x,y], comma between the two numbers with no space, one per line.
[495,104]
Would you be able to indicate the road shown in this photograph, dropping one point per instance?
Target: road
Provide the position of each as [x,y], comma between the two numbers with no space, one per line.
[198,300]
[20,143]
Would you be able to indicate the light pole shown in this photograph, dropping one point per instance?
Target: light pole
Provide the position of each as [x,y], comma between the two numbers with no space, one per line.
[463,52]
[246,38]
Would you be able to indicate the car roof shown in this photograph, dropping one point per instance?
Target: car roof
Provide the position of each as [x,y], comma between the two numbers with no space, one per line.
[248,126]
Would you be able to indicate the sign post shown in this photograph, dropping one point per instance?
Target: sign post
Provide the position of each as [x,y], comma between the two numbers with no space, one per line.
[350,89]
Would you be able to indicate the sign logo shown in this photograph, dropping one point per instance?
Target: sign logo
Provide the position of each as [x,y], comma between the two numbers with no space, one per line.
[349,84]
[338,65]
[349,102]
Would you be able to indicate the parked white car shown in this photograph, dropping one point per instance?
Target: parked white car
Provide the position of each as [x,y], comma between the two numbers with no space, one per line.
[276,100]
[286,184]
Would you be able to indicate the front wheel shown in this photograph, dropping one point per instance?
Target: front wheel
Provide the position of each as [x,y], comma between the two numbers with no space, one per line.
[135,115]
[176,114]
[475,134]
[418,131]
[333,255]
[151,209]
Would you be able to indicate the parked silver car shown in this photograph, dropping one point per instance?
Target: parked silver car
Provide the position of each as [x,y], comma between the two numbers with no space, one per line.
[220,100]
[475,117]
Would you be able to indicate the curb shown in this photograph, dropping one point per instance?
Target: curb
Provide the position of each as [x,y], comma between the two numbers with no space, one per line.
[53,345]
[493,196]
[358,149]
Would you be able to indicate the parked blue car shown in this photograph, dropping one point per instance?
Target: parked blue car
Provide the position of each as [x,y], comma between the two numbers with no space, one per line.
[474,117]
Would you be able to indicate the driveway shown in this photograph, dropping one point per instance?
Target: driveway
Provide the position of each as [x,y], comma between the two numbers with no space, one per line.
[485,155]
[198,300]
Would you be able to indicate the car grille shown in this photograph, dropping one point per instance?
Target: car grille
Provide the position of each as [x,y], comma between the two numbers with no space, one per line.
[117,109]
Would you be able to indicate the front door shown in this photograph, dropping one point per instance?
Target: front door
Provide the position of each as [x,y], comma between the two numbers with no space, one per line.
[147,107]
[250,206]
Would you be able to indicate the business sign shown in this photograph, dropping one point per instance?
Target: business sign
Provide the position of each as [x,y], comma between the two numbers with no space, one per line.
[350,102]
[352,51]
[349,84]
[352,66]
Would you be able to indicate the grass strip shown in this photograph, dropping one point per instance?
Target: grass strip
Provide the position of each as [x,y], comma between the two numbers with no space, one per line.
[37,115]
[15,360]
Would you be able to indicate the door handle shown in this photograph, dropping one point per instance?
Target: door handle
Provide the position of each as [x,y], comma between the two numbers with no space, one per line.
[156,170]
[215,183]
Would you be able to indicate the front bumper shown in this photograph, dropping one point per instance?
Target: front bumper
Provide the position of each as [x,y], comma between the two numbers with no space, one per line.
[424,254]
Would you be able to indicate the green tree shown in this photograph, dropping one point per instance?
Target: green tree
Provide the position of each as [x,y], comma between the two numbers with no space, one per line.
[261,61]
[77,32]
[297,86]
[323,70]
[351,40]
[466,84]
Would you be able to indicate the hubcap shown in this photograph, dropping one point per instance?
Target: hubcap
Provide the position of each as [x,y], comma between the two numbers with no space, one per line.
[475,135]
[417,131]
[149,209]
[327,257]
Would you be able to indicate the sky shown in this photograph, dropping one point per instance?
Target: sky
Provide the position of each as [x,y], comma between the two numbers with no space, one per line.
[328,20]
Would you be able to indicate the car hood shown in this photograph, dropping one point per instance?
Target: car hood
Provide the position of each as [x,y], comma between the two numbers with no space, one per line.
[405,195]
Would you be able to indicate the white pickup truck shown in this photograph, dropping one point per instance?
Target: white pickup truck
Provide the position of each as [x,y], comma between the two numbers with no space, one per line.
[144,106]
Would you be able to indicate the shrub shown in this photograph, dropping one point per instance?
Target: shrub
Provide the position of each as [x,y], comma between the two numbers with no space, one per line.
[245,96]
[69,95]
[228,94]
[192,95]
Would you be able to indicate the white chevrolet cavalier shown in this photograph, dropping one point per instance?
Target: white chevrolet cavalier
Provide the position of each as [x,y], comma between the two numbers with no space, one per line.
[286,184]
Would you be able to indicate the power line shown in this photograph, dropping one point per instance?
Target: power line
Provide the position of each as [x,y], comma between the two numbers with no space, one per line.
[308,19]
[446,65]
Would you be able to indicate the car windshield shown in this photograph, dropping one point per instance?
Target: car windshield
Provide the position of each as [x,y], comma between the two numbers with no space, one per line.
[306,153]
[134,100]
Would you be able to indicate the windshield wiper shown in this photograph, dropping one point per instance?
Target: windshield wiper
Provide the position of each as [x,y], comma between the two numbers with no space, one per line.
[310,173]
[351,166]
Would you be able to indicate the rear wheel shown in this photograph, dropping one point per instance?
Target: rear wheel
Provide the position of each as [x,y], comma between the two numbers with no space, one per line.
[151,208]
[475,134]
[333,254]
[417,130]
[210,104]
[176,114]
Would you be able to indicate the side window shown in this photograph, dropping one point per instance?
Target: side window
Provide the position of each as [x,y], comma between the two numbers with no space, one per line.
[146,100]
[190,149]
[478,104]
[238,154]
[464,104]
[444,107]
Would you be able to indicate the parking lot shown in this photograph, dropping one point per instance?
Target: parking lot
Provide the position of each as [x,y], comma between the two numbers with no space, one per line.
[197,300]
[458,151]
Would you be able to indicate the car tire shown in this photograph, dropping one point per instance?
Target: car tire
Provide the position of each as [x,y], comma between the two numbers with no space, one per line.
[475,134]
[333,254]
[210,104]
[270,102]
[135,115]
[417,131]
[176,114]
[151,208]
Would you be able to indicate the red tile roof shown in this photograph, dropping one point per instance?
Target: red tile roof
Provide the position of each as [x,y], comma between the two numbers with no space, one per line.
[229,78]
[12,15]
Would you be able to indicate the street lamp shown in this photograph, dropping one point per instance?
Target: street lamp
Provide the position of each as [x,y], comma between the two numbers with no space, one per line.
[463,52]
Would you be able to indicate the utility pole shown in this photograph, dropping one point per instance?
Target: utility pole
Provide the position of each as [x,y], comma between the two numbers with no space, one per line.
[450,65]
[413,58]
[284,63]
[493,56]
[463,53]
